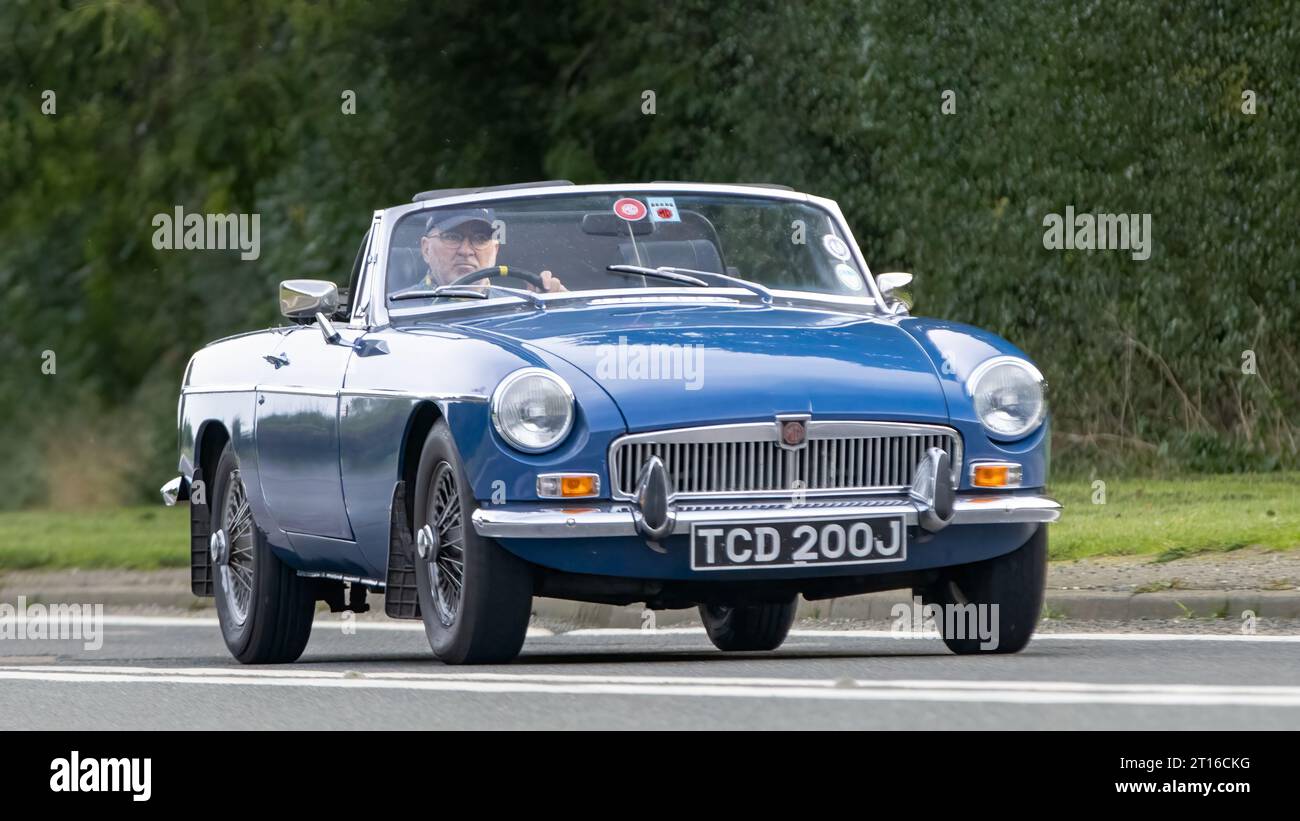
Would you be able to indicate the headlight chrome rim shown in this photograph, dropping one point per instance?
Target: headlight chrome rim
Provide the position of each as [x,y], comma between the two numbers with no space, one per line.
[503,387]
[982,370]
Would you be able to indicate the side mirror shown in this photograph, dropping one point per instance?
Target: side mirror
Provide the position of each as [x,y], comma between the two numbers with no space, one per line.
[304,298]
[894,286]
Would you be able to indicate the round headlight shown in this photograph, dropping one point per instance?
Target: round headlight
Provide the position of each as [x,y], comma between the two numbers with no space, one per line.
[1008,395]
[532,409]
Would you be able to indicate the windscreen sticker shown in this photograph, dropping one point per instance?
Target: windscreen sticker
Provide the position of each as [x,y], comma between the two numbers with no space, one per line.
[629,209]
[835,246]
[849,276]
[663,209]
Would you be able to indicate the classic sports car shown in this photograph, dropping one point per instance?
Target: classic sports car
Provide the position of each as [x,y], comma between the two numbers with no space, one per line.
[678,394]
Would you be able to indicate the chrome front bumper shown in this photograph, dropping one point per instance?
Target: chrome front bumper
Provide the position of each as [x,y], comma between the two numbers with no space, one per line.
[611,519]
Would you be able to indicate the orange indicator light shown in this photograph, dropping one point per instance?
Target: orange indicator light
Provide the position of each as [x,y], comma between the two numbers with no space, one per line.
[995,475]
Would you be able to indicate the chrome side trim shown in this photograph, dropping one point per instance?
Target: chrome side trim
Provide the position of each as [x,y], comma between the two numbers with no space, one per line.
[384,392]
[393,393]
[524,521]
[302,390]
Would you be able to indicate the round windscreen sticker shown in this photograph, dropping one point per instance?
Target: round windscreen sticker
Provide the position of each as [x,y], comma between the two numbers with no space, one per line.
[849,276]
[630,209]
[835,246]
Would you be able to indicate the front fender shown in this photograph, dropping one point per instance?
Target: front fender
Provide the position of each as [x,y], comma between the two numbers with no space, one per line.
[498,473]
[956,350]
[459,370]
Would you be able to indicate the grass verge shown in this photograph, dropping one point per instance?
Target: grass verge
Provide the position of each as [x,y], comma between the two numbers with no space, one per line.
[128,538]
[1178,517]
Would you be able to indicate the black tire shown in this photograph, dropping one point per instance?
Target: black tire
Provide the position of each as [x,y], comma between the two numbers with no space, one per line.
[1015,582]
[274,622]
[488,621]
[755,626]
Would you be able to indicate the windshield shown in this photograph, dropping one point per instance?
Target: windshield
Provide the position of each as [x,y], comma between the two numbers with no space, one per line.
[568,243]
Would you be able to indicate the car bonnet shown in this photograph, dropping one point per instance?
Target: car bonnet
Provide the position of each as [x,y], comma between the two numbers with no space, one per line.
[693,364]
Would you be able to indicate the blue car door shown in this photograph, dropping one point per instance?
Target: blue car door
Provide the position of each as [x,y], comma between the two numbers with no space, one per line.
[297,432]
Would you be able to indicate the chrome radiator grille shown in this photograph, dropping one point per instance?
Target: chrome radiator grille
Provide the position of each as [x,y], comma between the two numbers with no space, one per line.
[748,459]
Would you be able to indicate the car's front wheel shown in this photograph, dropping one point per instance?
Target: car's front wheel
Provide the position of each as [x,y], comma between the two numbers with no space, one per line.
[475,597]
[753,626]
[264,607]
[1007,597]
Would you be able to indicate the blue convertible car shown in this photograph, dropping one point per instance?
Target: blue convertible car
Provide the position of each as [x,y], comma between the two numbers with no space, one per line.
[680,394]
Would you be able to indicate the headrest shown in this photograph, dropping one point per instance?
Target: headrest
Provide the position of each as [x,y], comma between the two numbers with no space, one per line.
[699,254]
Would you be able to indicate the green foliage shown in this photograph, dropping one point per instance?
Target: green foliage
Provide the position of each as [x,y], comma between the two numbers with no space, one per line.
[1132,109]
[224,107]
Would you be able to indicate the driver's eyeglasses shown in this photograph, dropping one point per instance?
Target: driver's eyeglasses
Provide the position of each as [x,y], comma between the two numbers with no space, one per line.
[453,239]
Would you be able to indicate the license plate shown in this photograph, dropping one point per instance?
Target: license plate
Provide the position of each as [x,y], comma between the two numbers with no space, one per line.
[798,544]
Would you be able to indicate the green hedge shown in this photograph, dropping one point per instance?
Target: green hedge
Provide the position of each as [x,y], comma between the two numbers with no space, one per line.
[1126,107]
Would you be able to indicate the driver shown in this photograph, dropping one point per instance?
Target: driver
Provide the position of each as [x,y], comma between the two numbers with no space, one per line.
[459,242]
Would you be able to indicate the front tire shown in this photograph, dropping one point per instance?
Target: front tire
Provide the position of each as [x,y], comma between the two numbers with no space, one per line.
[264,607]
[1015,582]
[756,626]
[475,597]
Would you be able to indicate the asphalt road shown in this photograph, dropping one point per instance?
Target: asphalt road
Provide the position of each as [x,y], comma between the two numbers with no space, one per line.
[173,673]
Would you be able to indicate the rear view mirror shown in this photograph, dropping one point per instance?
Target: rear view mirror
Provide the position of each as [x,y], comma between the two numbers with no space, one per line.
[612,225]
[304,298]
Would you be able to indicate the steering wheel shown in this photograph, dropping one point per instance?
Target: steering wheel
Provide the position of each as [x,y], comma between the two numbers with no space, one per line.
[503,271]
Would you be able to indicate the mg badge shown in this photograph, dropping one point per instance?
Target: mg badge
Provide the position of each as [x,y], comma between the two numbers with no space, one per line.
[793,431]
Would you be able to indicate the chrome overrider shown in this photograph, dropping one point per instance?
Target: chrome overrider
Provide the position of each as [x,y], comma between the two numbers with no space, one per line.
[930,504]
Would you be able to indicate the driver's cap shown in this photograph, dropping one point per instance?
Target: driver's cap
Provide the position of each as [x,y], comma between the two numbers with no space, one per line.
[455,218]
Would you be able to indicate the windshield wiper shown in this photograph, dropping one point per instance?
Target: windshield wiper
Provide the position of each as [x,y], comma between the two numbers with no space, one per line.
[691,276]
[657,273]
[469,292]
[748,285]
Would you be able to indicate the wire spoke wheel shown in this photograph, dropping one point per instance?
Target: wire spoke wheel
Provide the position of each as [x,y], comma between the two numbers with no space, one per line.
[447,563]
[237,570]
[475,597]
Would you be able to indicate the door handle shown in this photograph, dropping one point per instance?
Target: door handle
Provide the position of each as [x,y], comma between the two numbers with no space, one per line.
[277,361]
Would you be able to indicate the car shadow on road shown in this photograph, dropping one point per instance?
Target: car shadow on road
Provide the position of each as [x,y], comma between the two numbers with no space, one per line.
[539,657]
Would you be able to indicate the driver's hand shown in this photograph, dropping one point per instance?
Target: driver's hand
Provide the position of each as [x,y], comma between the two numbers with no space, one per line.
[551,283]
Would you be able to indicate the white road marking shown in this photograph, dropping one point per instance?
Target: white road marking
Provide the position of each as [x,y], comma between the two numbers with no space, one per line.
[534,632]
[635,631]
[889,634]
[65,620]
[1008,692]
